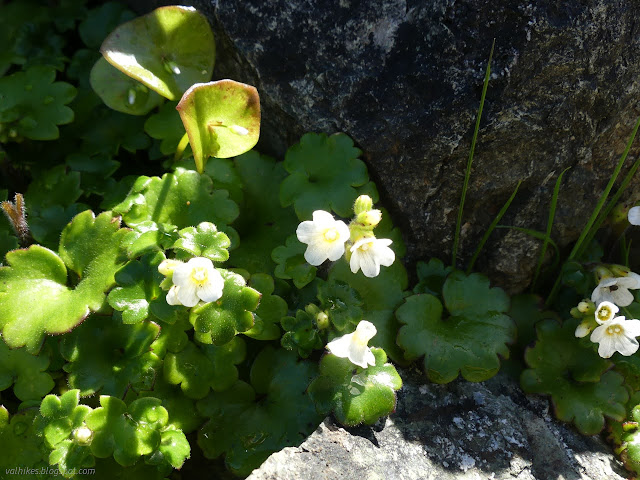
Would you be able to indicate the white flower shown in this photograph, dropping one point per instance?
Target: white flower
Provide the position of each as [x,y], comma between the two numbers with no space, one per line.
[615,290]
[194,281]
[617,335]
[634,216]
[369,253]
[605,312]
[354,345]
[325,237]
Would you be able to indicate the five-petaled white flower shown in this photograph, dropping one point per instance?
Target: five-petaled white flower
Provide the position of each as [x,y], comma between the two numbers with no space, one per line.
[325,237]
[194,281]
[605,312]
[616,290]
[354,345]
[617,335]
[369,253]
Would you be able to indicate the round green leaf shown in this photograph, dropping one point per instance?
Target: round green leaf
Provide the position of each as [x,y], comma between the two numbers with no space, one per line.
[218,322]
[356,394]
[105,355]
[121,92]
[248,431]
[32,382]
[184,199]
[203,241]
[21,445]
[581,389]
[168,49]
[468,340]
[211,114]
[291,263]
[324,172]
[33,104]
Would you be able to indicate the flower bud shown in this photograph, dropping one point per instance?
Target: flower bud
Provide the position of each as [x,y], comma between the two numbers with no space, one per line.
[364,203]
[370,219]
[238,130]
[602,272]
[167,267]
[619,270]
[82,436]
[586,307]
[322,320]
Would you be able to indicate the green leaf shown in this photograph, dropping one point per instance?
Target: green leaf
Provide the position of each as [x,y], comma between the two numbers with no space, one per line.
[127,433]
[222,119]
[105,355]
[173,337]
[301,334]
[270,311]
[291,263]
[21,445]
[46,225]
[324,173]
[102,20]
[172,48]
[218,322]
[203,241]
[54,187]
[356,394]
[182,409]
[174,447]
[431,277]
[468,340]
[121,92]
[33,105]
[166,125]
[581,389]
[184,198]
[59,416]
[90,247]
[248,431]
[341,303]
[209,367]
[139,288]
[149,236]
[380,297]
[95,171]
[26,372]
[263,223]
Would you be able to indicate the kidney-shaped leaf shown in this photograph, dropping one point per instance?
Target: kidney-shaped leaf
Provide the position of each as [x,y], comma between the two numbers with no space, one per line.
[168,49]
[121,92]
[222,119]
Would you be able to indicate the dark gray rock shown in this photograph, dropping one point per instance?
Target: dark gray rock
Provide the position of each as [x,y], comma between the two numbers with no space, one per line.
[450,432]
[403,79]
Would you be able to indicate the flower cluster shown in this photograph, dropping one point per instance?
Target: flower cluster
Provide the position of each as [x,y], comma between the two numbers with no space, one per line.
[612,333]
[330,239]
[194,281]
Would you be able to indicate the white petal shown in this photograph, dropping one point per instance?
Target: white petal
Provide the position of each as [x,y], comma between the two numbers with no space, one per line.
[340,346]
[370,358]
[201,262]
[598,334]
[335,250]
[323,218]
[632,328]
[627,282]
[212,290]
[626,346]
[606,347]
[368,264]
[636,277]
[182,275]
[317,253]
[358,355]
[308,232]
[366,331]
[343,231]
[172,296]
[384,255]
[634,216]
[187,294]
[622,297]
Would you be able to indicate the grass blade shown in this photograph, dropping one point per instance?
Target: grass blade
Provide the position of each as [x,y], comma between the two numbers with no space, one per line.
[467,174]
[493,225]
[552,213]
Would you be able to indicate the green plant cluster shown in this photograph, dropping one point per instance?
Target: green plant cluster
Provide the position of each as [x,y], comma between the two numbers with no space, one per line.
[126,174]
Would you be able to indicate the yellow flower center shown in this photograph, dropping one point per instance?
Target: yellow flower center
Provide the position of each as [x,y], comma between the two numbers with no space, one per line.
[331,235]
[604,313]
[365,246]
[614,330]
[199,275]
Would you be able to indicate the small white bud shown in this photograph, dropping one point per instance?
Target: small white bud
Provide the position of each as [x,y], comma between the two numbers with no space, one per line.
[237,129]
